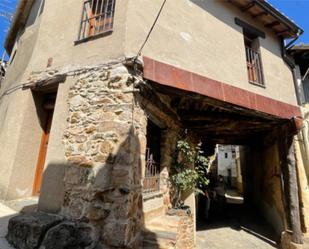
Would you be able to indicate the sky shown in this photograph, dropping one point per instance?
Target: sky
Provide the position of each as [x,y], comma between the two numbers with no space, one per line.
[5,6]
[297,10]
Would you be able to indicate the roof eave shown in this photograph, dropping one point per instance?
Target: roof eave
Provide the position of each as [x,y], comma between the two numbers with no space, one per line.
[270,17]
[20,17]
[267,7]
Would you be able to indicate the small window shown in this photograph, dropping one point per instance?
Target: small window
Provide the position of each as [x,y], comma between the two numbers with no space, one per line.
[97,18]
[253,57]
[225,155]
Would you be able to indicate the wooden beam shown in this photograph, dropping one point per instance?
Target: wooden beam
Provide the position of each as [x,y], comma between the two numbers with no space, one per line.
[290,186]
[171,91]
[272,24]
[224,126]
[152,103]
[249,28]
[226,119]
[297,236]
[247,7]
[263,13]
[282,32]
[190,114]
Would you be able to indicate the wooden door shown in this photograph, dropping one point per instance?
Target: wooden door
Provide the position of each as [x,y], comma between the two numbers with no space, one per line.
[42,153]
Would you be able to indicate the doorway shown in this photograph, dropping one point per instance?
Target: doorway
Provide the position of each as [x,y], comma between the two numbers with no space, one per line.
[46,106]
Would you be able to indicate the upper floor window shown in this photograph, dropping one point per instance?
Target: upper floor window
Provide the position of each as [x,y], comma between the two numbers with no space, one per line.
[253,57]
[97,18]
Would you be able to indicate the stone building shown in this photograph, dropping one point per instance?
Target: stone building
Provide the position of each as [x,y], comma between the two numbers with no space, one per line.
[90,122]
[227,163]
[229,160]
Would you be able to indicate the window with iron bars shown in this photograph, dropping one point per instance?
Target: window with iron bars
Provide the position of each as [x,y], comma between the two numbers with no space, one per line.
[254,63]
[97,18]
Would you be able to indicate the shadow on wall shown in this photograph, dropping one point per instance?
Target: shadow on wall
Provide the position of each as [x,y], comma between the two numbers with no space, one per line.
[105,198]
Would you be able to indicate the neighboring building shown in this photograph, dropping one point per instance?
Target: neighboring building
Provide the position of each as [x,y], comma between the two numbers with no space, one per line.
[92,128]
[227,163]
[300,53]
[3,66]
[230,160]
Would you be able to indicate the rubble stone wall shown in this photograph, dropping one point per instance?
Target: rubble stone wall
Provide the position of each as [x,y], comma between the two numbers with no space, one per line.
[185,235]
[105,144]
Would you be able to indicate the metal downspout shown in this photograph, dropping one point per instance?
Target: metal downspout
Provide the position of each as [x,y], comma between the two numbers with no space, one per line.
[291,64]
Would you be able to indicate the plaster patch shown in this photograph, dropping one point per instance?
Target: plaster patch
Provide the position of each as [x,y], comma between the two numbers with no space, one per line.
[186,36]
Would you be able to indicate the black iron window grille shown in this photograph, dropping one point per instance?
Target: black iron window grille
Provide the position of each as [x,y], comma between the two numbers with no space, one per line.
[97,18]
[151,182]
[253,58]
[254,66]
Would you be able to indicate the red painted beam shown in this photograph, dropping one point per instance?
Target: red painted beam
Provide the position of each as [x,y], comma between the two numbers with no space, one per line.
[168,75]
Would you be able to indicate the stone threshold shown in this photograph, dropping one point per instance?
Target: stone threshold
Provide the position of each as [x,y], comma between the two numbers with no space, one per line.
[153,195]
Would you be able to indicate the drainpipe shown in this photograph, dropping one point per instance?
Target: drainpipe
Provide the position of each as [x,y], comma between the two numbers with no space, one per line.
[289,45]
[291,64]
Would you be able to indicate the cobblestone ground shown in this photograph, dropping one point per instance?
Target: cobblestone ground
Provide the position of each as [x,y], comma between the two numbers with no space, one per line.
[235,228]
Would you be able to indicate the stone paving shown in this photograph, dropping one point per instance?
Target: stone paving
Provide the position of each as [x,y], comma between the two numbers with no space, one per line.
[227,237]
[5,214]
[235,228]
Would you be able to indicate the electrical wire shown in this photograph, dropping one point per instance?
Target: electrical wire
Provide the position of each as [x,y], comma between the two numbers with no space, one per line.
[9,91]
[13,89]
[73,72]
[151,29]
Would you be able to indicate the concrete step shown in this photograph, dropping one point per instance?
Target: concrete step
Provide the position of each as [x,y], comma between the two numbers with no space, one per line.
[233,197]
[161,232]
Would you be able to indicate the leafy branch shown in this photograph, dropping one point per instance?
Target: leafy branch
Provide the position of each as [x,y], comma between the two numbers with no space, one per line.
[188,171]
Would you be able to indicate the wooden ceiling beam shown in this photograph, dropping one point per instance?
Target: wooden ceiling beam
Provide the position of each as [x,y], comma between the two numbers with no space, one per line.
[282,32]
[272,24]
[247,7]
[263,13]
[174,92]
[223,118]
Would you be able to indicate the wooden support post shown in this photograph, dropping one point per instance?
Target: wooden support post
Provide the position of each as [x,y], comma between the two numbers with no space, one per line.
[291,188]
